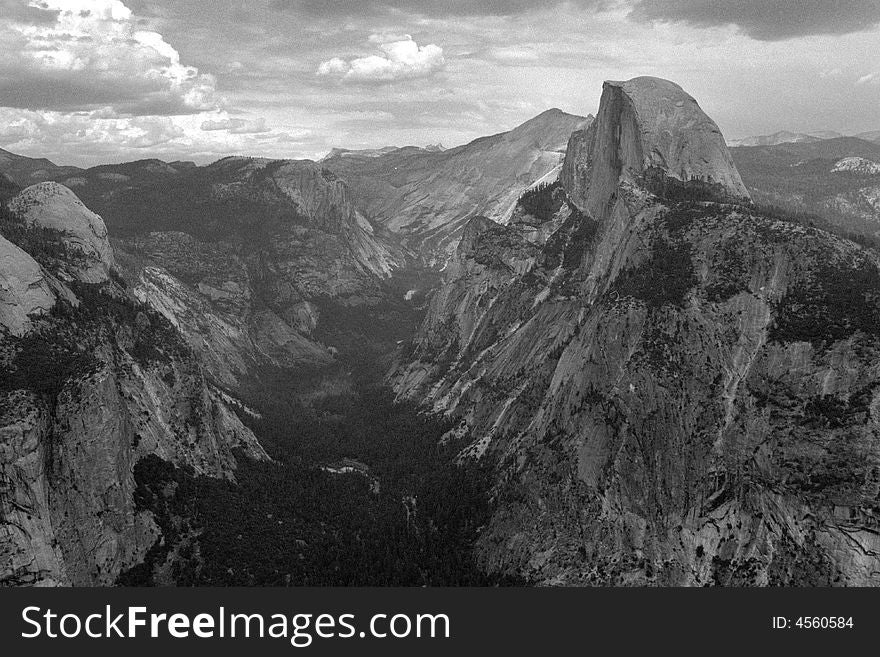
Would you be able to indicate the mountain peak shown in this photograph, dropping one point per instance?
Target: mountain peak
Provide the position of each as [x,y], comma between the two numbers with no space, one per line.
[676,136]
[552,119]
[552,113]
[651,132]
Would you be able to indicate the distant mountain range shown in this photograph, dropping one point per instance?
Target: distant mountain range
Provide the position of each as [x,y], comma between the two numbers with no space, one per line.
[834,180]
[788,137]
[377,152]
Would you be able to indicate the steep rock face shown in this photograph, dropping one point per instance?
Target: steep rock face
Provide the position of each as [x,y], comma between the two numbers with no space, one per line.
[675,391]
[648,129]
[323,235]
[240,255]
[487,257]
[428,196]
[254,247]
[290,220]
[211,295]
[296,206]
[29,554]
[69,514]
[24,289]
[95,383]
[54,207]
[231,343]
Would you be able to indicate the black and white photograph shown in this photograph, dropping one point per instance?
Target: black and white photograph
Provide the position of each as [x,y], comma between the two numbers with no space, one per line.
[439,294]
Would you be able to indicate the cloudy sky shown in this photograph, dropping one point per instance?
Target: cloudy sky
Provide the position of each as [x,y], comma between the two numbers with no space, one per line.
[90,81]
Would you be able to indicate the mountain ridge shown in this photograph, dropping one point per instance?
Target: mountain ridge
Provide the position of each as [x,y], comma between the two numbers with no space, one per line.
[627,377]
[427,197]
[790,137]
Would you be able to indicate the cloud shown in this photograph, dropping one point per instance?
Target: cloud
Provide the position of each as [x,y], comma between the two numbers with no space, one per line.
[766,20]
[99,137]
[432,8]
[85,131]
[236,126]
[514,54]
[399,60]
[90,53]
[20,10]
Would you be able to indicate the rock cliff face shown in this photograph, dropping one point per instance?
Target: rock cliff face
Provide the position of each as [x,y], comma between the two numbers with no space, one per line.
[24,290]
[222,326]
[651,131]
[673,387]
[315,225]
[91,381]
[54,207]
[239,255]
[293,219]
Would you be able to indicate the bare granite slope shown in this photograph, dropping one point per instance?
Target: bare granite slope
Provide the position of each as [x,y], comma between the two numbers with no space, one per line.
[427,196]
[91,381]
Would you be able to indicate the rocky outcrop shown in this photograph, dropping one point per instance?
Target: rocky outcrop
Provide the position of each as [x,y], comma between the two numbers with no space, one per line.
[258,247]
[674,388]
[231,344]
[68,508]
[488,256]
[54,207]
[856,165]
[91,382]
[651,131]
[251,249]
[29,553]
[24,289]
[315,226]
[209,293]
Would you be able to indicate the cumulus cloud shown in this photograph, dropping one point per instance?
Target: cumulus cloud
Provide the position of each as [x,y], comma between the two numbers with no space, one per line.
[236,126]
[85,132]
[767,20]
[403,59]
[99,136]
[85,54]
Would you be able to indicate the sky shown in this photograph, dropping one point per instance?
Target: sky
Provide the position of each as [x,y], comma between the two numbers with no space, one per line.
[84,82]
